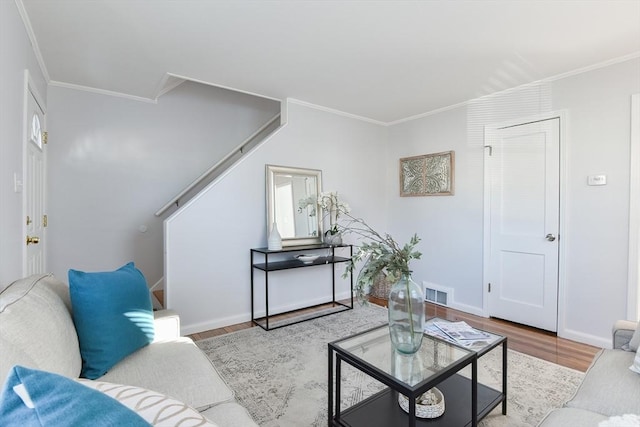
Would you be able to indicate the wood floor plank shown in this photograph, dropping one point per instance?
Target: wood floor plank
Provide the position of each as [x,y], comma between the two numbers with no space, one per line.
[534,342]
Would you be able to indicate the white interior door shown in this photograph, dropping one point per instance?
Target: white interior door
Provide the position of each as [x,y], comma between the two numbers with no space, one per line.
[524,203]
[34,189]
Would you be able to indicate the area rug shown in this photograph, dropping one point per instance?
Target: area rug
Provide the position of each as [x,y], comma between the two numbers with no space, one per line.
[280,376]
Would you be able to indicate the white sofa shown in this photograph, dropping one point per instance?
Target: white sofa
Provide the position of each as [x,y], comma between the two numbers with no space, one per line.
[609,388]
[37,331]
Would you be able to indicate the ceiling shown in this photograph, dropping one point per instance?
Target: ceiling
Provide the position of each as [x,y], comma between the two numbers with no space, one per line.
[381,60]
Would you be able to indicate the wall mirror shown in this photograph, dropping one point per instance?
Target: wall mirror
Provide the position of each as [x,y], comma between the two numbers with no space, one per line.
[292,203]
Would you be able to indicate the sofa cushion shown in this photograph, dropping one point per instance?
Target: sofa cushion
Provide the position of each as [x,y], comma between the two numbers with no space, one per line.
[570,417]
[230,415]
[155,408]
[37,398]
[36,328]
[176,368]
[609,375]
[113,315]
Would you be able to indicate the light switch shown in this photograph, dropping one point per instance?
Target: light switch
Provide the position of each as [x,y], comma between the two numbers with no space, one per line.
[17,183]
[597,180]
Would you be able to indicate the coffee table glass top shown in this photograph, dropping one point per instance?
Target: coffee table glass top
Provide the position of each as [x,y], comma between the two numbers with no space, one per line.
[375,349]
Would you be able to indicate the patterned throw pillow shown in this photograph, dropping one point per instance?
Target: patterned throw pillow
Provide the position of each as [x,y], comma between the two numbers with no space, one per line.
[156,408]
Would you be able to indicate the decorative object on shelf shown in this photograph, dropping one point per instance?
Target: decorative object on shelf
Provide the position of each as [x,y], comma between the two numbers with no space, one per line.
[427,175]
[333,206]
[307,258]
[429,404]
[406,315]
[274,243]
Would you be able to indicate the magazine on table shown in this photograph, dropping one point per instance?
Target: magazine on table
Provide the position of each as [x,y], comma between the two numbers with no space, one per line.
[458,333]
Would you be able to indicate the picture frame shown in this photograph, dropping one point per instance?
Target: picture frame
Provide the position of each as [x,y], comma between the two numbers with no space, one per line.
[428,175]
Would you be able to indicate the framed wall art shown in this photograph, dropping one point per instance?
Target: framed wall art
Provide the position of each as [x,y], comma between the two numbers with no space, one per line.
[427,175]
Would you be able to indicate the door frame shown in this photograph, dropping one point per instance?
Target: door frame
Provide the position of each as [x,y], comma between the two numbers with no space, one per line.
[633,299]
[31,89]
[563,241]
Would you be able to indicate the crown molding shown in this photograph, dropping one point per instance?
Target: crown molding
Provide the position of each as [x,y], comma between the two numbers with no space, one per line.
[32,38]
[102,92]
[334,111]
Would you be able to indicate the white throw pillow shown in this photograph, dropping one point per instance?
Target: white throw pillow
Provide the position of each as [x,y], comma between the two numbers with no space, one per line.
[626,420]
[156,408]
[635,339]
[636,363]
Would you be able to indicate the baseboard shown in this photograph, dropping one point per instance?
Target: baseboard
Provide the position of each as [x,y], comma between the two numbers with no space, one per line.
[478,311]
[585,338]
[188,329]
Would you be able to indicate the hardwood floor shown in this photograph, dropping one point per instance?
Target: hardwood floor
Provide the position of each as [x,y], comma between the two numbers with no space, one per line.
[534,342]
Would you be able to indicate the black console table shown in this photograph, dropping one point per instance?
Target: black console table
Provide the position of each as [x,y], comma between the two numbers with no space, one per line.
[281,262]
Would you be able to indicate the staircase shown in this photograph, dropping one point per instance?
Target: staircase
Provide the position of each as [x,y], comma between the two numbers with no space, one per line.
[220,167]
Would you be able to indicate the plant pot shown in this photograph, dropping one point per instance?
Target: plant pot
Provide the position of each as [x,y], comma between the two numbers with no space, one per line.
[332,239]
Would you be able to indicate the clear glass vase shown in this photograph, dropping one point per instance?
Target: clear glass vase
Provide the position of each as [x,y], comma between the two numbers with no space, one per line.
[406,315]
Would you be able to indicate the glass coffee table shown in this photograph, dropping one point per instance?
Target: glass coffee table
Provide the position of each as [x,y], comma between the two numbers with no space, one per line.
[438,363]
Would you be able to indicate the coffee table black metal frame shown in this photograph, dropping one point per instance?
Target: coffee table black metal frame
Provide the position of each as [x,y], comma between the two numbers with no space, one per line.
[466,401]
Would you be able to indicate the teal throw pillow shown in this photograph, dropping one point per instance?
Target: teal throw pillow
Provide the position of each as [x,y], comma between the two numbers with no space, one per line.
[113,315]
[32,398]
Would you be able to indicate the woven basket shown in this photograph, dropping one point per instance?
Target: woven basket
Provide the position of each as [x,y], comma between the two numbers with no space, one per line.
[432,410]
[380,287]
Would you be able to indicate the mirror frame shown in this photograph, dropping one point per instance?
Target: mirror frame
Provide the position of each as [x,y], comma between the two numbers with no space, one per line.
[271,172]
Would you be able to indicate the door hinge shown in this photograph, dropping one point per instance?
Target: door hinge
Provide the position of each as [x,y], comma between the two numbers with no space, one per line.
[45,220]
[45,137]
[29,220]
[490,147]
[489,287]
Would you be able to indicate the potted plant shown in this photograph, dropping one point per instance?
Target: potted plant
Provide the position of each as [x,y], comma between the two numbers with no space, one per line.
[380,253]
[331,204]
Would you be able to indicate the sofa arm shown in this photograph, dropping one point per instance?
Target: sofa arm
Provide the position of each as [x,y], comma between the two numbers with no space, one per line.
[167,325]
[622,332]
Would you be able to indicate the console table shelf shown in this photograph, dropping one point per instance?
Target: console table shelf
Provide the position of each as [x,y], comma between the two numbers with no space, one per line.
[329,307]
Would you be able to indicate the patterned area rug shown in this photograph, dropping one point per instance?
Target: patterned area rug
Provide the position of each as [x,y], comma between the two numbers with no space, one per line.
[280,376]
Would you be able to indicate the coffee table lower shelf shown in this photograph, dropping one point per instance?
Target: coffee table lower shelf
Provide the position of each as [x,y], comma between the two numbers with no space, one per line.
[383,410]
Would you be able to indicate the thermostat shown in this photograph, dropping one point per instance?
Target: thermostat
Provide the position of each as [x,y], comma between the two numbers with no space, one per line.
[597,180]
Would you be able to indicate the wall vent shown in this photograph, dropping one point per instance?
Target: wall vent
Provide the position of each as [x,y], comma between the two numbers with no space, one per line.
[436,294]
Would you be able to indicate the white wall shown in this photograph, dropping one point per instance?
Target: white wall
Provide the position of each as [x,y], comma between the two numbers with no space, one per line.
[16,55]
[113,162]
[207,260]
[595,233]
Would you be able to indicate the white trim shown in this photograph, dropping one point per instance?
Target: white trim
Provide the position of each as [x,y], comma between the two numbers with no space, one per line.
[32,38]
[633,298]
[246,317]
[521,87]
[164,87]
[432,112]
[204,82]
[336,112]
[102,92]
[581,337]
[563,242]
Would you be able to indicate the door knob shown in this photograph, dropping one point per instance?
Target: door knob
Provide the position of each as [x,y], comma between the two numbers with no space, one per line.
[550,237]
[35,240]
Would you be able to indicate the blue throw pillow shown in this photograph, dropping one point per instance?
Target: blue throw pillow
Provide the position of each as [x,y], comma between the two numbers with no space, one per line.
[37,398]
[113,315]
